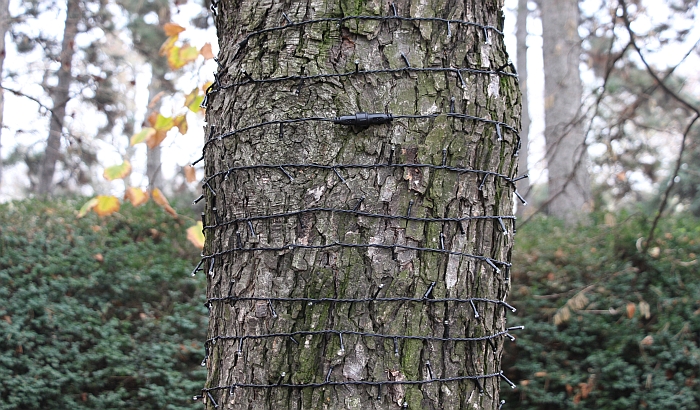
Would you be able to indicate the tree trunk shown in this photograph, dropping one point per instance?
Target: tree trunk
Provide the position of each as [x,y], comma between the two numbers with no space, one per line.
[567,159]
[153,155]
[59,98]
[159,68]
[521,57]
[330,259]
[4,27]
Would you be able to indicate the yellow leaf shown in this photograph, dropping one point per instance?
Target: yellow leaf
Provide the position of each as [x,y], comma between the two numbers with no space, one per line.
[117,171]
[136,196]
[166,48]
[106,205]
[162,201]
[174,60]
[163,123]
[206,86]
[156,139]
[195,235]
[87,207]
[188,53]
[172,29]
[193,100]
[161,126]
[143,135]
[206,52]
[181,123]
[190,173]
[178,57]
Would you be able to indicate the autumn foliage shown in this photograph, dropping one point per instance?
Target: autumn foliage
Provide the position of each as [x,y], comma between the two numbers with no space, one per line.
[158,127]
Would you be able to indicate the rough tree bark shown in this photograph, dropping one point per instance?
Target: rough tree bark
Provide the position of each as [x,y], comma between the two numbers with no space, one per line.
[567,159]
[59,97]
[330,271]
[521,66]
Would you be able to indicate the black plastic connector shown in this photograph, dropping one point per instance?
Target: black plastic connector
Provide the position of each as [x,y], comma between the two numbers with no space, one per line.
[362,119]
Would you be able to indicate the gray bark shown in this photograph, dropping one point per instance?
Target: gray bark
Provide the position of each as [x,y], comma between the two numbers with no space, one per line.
[521,57]
[153,168]
[362,272]
[153,155]
[59,98]
[159,67]
[567,160]
[4,26]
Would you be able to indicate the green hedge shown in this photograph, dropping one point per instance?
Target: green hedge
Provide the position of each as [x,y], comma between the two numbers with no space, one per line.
[631,337]
[97,313]
[102,313]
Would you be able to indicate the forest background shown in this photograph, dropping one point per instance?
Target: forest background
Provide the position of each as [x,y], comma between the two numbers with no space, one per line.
[102,112]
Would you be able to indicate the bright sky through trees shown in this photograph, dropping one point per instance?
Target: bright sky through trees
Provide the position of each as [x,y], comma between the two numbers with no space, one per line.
[26,123]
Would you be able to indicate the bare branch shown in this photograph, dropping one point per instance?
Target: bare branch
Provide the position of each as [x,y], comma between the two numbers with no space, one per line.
[686,132]
[610,66]
[21,94]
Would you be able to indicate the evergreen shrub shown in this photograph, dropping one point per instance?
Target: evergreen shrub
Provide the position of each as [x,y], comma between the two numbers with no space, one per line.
[97,313]
[607,326]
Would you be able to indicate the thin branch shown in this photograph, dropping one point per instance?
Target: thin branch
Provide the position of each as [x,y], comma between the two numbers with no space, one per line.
[596,106]
[651,72]
[646,94]
[686,132]
[21,94]
[567,293]
[610,66]
[41,105]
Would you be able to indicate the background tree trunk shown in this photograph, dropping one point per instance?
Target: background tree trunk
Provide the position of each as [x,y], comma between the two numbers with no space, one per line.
[4,27]
[153,155]
[147,38]
[59,97]
[297,255]
[521,57]
[159,67]
[567,159]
